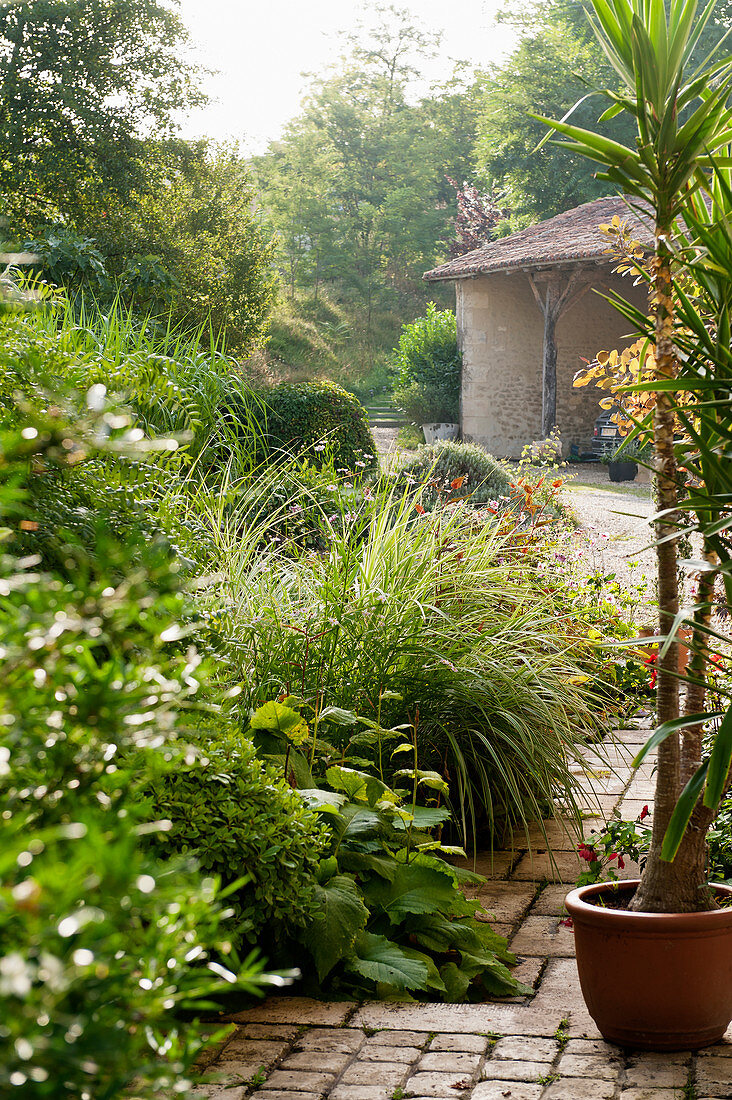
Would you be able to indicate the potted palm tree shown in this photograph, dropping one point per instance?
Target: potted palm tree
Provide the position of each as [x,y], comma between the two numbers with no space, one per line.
[655,956]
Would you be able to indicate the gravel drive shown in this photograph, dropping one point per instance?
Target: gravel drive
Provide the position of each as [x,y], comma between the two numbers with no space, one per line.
[615,518]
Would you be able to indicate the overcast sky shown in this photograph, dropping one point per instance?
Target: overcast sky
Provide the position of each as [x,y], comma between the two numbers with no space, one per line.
[261,48]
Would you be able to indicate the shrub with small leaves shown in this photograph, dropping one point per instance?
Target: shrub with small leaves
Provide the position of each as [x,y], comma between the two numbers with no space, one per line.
[100,943]
[440,464]
[320,418]
[429,366]
[241,818]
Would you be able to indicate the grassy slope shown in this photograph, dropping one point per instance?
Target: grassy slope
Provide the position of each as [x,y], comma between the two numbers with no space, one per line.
[327,338]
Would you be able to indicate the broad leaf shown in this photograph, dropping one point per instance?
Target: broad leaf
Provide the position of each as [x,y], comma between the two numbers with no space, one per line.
[278,718]
[456,982]
[333,934]
[495,976]
[360,862]
[357,785]
[323,801]
[339,716]
[296,764]
[414,889]
[363,823]
[427,817]
[381,960]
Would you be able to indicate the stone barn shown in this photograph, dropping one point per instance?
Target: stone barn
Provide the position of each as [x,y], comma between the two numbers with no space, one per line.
[529,310]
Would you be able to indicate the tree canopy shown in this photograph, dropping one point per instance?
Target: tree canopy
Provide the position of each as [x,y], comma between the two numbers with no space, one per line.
[82,84]
[357,186]
[554,65]
[557,62]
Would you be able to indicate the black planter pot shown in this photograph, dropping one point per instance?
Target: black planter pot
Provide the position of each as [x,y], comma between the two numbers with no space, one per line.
[622,471]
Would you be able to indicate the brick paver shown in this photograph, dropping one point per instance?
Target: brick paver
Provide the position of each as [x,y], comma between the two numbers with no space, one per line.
[542,1047]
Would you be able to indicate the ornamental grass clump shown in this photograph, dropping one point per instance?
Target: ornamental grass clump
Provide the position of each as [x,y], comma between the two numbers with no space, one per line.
[445,614]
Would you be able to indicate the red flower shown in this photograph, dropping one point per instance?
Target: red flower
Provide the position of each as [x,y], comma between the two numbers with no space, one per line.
[644,813]
[587,852]
[621,863]
[653,678]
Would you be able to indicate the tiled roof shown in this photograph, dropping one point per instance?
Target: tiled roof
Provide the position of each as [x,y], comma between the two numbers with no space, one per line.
[571,236]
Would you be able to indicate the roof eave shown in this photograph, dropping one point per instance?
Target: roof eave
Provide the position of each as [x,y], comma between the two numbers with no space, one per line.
[507,269]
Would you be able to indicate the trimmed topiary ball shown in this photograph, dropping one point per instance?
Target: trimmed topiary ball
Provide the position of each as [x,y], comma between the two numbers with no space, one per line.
[322,418]
[442,463]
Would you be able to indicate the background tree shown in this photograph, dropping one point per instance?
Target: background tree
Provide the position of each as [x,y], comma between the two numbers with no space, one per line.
[356,186]
[82,83]
[479,218]
[93,173]
[557,62]
[193,245]
[548,73]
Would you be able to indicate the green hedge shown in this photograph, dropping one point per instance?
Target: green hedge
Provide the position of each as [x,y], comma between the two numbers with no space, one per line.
[429,366]
[305,415]
[240,818]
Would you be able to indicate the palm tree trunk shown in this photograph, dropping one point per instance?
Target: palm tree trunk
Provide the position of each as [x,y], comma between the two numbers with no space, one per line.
[667,887]
[691,748]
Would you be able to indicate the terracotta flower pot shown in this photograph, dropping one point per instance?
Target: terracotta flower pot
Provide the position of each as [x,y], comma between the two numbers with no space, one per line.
[654,981]
[683,637]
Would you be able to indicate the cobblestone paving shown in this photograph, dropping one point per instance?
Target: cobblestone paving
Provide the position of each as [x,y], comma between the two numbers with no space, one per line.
[543,1047]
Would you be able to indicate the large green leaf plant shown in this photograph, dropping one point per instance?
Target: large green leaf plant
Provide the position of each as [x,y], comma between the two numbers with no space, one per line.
[393,920]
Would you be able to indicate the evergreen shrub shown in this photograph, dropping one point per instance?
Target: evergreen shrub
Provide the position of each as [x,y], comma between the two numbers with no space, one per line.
[437,465]
[429,367]
[241,818]
[305,415]
[100,942]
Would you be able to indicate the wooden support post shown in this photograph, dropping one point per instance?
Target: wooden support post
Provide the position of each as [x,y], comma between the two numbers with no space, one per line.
[549,375]
[554,296]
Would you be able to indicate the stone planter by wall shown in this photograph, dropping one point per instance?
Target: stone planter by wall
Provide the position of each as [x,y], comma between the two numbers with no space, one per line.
[433,432]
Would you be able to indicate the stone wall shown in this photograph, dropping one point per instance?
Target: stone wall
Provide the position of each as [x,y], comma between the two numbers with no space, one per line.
[500,328]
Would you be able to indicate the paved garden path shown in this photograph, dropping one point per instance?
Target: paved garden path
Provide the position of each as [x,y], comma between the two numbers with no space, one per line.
[542,1047]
